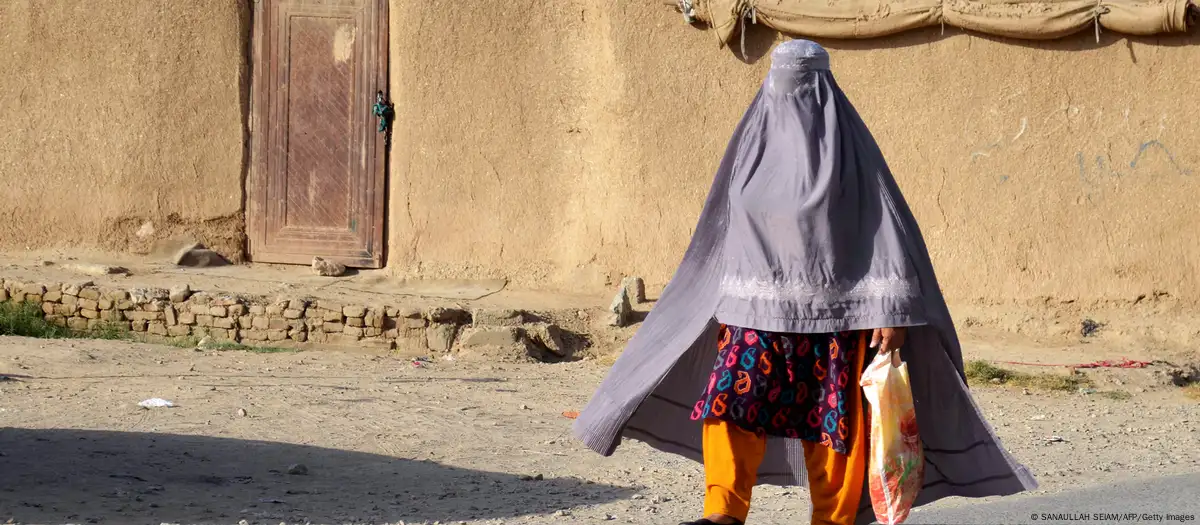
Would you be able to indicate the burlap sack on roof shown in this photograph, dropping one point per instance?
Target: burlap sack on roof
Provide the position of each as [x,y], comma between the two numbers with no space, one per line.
[1021,19]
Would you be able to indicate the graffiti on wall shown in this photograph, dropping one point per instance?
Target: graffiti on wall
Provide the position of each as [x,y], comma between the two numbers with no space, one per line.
[1103,166]
[1094,172]
[1152,157]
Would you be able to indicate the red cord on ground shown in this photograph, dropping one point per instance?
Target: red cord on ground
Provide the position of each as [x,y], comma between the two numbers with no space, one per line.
[1124,363]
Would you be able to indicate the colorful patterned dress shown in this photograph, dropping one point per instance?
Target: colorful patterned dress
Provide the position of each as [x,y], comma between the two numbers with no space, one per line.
[779,384]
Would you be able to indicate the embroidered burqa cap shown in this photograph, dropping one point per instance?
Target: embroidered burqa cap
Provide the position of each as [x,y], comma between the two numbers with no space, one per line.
[804,230]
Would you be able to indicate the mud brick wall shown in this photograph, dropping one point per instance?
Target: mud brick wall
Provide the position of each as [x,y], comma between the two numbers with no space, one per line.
[181,314]
[130,70]
[1075,186]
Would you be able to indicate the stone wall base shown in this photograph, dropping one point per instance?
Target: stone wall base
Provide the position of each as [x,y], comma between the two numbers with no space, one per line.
[182,315]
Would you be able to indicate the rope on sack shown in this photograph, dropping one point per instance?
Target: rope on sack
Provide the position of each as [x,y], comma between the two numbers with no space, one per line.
[747,12]
[1100,10]
[942,16]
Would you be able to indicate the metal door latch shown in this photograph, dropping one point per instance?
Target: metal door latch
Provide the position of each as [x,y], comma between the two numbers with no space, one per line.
[384,111]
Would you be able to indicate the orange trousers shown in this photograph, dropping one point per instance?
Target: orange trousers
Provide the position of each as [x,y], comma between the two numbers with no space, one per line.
[732,456]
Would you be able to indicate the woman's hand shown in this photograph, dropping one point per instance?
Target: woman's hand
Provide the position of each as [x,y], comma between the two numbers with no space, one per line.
[888,339]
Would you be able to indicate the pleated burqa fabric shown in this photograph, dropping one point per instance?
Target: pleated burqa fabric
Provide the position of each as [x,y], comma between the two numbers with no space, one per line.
[804,231]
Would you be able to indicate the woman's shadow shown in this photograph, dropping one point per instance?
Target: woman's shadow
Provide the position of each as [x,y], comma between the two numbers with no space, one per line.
[84,476]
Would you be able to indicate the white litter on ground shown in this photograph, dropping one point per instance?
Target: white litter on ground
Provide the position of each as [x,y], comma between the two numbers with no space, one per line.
[156,403]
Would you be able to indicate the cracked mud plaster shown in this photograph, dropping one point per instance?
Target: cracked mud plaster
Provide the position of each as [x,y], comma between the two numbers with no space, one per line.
[225,234]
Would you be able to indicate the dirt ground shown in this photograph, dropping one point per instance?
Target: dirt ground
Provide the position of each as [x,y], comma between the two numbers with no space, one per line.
[384,440]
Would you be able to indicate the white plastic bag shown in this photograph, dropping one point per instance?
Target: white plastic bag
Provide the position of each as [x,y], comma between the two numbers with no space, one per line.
[156,402]
[897,464]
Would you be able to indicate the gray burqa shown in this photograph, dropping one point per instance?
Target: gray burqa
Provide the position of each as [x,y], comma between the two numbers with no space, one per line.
[804,231]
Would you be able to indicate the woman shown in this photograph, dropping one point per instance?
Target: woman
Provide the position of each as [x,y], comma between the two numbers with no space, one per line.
[805,255]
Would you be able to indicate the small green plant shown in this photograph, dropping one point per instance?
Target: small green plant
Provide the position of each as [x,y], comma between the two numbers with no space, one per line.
[110,331]
[183,342]
[983,372]
[268,349]
[1115,395]
[1192,391]
[227,346]
[26,320]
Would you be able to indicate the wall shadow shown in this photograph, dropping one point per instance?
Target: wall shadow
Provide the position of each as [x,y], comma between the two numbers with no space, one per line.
[245,100]
[83,476]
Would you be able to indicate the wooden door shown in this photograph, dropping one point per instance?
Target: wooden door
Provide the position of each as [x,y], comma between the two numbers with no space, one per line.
[317,187]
